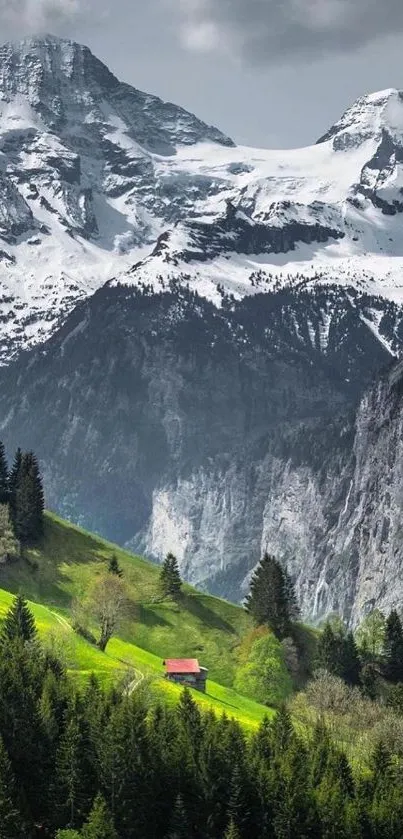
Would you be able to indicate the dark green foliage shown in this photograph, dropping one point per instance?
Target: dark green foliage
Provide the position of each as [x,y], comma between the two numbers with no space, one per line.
[114,567]
[271,598]
[91,764]
[19,623]
[328,651]
[350,660]
[395,698]
[3,476]
[170,578]
[393,648]
[13,481]
[69,774]
[10,819]
[26,497]
[179,823]
[232,831]
[292,601]
[99,824]
[338,654]
[369,678]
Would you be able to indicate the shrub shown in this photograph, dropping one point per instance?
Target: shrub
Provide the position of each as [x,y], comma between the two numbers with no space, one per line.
[264,676]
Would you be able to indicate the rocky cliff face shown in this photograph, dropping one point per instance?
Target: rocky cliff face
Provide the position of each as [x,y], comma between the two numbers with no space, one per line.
[168,424]
[367,542]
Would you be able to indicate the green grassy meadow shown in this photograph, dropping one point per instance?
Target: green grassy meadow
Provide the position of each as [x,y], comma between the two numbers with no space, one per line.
[62,568]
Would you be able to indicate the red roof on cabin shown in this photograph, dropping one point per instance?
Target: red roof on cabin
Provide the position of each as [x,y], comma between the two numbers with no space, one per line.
[182,665]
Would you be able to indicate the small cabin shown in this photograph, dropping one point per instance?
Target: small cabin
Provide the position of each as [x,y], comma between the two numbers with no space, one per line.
[186,672]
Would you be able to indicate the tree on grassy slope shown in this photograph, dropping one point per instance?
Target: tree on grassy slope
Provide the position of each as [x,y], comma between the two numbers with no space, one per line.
[170,578]
[106,603]
[271,599]
[114,567]
[264,675]
[26,497]
[19,622]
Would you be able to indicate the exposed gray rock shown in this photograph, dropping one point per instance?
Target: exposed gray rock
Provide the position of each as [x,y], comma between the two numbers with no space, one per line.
[167,424]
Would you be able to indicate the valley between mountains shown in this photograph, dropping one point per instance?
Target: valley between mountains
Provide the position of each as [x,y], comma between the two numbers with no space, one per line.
[201,341]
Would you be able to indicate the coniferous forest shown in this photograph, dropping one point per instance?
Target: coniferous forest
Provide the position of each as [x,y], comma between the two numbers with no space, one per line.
[82,761]
[102,764]
[21,499]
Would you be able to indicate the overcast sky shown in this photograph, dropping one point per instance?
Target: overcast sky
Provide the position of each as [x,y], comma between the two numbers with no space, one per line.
[274,73]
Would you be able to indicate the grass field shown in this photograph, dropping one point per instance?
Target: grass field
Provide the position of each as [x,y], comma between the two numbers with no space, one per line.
[201,626]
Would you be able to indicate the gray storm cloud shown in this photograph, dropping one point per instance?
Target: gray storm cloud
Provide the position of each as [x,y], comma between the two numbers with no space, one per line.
[266,30]
[18,17]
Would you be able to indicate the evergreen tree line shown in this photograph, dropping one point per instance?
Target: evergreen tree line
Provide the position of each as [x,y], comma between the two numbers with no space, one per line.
[380,653]
[21,489]
[99,764]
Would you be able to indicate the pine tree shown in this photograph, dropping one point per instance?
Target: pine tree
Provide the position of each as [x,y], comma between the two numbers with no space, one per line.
[381,763]
[283,731]
[29,500]
[294,611]
[189,715]
[114,567]
[21,673]
[368,678]
[13,481]
[19,622]
[3,476]
[294,813]
[350,660]
[170,578]
[270,600]
[393,648]
[26,497]
[128,769]
[39,508]
[327,653]
[179,823]
[99,824]
[10,820]
[232,831]
[238,809]
[70,779]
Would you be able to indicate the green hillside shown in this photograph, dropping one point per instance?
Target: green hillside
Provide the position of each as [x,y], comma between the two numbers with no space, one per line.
[61,569]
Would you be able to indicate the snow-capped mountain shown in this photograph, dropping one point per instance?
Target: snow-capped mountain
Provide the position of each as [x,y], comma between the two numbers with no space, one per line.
[217,316]
[101,182]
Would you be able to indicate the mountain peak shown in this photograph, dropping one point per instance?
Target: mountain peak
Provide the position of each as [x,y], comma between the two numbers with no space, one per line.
[41,44]
[367,118]
[63,81]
